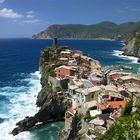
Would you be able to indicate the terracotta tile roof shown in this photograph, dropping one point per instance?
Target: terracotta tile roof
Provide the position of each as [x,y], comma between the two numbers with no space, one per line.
[101,106]
[116,104]
[111,104]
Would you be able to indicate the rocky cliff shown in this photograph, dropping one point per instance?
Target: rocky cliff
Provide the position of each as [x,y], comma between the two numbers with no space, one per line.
[74,132]
[52,105]
[52,109]
[133,46]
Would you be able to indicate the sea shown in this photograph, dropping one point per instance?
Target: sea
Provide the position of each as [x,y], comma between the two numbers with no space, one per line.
[20,79]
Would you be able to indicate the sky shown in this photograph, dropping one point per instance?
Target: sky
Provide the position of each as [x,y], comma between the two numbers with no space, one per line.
[23,18]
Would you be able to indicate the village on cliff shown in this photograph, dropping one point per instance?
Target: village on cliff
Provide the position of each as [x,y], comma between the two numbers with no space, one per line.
[98,93]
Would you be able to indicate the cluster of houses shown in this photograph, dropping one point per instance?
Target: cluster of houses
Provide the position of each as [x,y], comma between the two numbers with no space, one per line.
[83,80]
[104,102]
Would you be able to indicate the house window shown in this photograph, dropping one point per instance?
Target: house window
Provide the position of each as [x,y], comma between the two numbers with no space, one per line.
[92,96]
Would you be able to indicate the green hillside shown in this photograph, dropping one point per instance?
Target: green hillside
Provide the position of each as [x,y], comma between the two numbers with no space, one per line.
[105,30]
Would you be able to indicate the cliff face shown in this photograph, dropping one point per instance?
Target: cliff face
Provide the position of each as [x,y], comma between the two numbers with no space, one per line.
[73,133]
[133,46]
[52,108]
[77,31]
[52,105]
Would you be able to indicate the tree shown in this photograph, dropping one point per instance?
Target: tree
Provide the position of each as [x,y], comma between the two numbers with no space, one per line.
[127,109]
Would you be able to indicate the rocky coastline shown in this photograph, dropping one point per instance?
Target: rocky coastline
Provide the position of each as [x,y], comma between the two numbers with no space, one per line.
[89,97]
[52,106]
[129,50]
[133,45]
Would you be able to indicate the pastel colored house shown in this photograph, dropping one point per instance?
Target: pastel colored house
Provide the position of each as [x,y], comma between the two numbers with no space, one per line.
[116,76]
[87,94]
[131,79]
[65,71]
[82,90]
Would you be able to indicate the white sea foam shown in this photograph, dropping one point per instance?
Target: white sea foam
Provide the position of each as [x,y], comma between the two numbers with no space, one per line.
[119,54]
[122,43]
[22,104]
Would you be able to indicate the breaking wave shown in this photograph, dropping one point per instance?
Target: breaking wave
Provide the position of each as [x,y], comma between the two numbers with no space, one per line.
[16,103]
[131,59]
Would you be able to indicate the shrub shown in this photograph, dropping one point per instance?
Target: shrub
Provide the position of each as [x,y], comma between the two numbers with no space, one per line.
[127,109]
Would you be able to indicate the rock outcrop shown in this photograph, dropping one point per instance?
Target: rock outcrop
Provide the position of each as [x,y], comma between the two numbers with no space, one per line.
[73,133]
[133,46]
[52,105]
[52,108]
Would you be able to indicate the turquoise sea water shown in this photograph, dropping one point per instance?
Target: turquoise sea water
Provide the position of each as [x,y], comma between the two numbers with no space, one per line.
[20,84]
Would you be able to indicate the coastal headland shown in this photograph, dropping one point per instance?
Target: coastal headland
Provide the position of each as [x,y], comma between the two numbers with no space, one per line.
[91,99]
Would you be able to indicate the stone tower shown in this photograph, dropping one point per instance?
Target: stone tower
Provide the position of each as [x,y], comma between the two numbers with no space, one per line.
[54,45]
[54,41]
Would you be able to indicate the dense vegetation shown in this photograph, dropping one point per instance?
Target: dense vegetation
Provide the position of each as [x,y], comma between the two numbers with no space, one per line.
[77,31]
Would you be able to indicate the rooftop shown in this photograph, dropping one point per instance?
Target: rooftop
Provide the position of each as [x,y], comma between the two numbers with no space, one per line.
[101,106]
[90,104]
[116,104]
[109,88]
[86,58]
[76,82]
[67,67]
[95,78]
[66,52]
[87,83]
[73,87]
[86,91]
[112,94]
[111,104]
[134,89]
[119,72]
[129,77]
[63,59]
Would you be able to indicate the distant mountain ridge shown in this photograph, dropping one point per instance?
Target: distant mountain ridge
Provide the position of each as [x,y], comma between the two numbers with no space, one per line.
[103,30]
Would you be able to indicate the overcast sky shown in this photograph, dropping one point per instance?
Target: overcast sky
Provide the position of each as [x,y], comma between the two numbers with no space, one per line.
[23,18]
